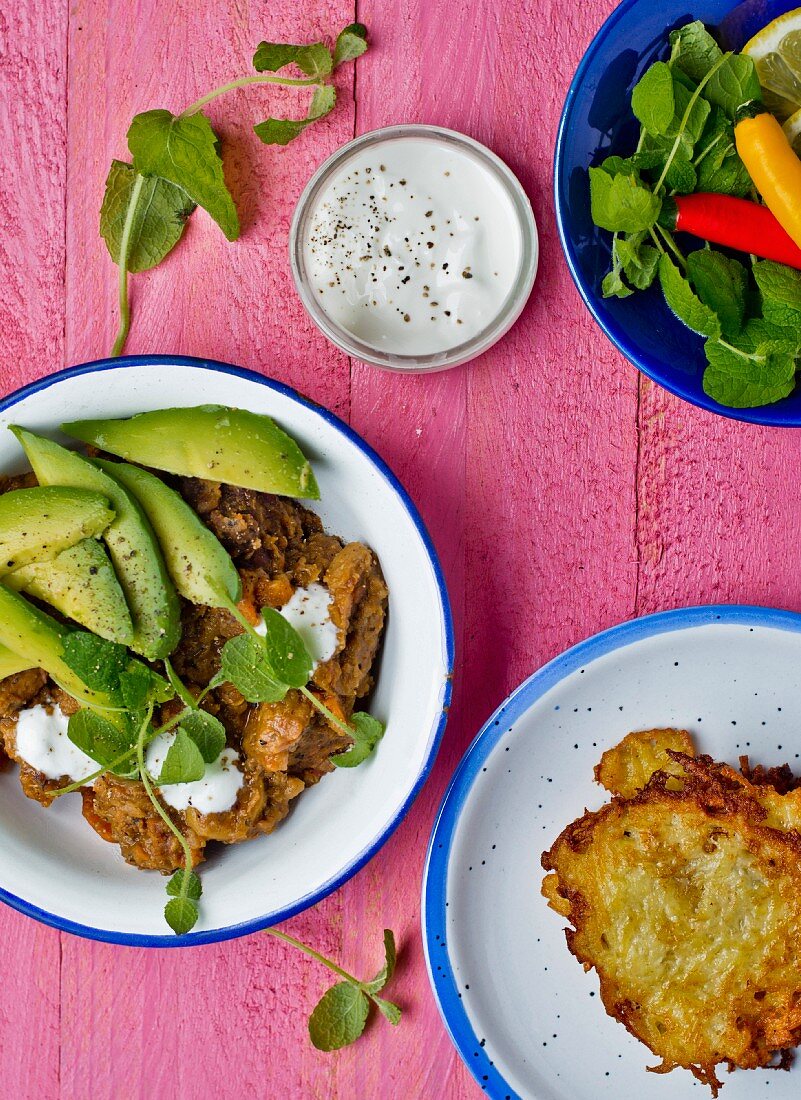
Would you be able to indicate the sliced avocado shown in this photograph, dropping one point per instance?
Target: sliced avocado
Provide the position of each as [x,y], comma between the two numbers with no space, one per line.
[199,564]
[11,663]
[133,546]
[37,524]
[81,584]
[37,639]
[208,441]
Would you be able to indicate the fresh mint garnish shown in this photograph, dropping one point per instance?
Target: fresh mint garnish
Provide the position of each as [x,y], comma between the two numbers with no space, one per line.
[244,663]
[621,203]
[780,288]
[366,732]
[181,914]
[177,163]
[205,731]
[285,649]
[721,283]
[185,883]
[102,740]
[653,100]
[98,662]
[681,298]
[183,763]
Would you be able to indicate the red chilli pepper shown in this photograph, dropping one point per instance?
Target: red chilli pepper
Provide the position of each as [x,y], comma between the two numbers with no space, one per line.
[735,223]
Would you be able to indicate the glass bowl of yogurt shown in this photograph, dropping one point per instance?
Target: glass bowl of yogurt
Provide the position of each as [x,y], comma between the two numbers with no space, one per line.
[414,248]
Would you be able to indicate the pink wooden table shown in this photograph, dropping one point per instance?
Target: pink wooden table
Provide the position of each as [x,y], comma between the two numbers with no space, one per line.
[613,499]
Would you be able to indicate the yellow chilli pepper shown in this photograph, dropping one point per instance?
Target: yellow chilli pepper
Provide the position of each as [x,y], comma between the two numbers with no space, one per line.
[772,165]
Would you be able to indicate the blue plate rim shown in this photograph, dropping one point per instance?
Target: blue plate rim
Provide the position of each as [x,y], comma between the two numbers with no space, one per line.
[767,415]
[435,738]
[434,925]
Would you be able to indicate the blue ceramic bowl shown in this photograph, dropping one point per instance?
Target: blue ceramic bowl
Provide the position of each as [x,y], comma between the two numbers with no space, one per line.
[596,122]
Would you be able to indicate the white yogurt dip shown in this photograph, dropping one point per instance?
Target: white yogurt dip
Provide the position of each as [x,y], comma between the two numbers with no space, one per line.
[413,246]
[213,794]
[42,742]
[308,612]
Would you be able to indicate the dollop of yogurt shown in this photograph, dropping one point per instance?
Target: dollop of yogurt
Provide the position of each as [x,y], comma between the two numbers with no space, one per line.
[308,611]
[213,794]
[43,743]
[413,246]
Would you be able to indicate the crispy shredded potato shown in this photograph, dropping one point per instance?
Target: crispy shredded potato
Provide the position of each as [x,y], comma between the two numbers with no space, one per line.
[684,894]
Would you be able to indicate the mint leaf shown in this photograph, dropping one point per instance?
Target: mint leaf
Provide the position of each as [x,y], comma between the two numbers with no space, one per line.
[721,283]
[388,969]
[620,203]
[183,762]
[367,732]
[746,381]
[286,651]
[101,740]
[351,43]
[735,83]
[613,285]
[181,915]
[194,887]
[694,50]
[389,1010]
[683,302]
[780,287]
[280,131]
[159,220]
[184,150]
[689,132]
[206,731]
[314,59]
[339,1017]
[140,685]
[97,661]
[244,663]
[638,260]
[652,100]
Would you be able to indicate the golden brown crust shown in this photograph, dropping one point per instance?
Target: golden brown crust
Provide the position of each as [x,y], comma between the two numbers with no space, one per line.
[685,897]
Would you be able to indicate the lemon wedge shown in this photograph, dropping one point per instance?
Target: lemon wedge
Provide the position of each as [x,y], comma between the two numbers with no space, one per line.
[776,52]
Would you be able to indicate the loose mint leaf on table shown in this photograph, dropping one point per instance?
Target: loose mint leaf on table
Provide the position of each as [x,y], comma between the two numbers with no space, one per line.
[184,151]
[181,915]
[693,50]
[652,100]
[389,1010]
[192,888]
[339,1017]
[734,83]
[95,660]
[351,43]
[206,731]
[314,59]
[102,740]
[183,763]
[367,732]
[780,287]
[721,283]
[742,382]
[388,969]
[244,663]
[620,203]
[682,300]
[280,131]
[159,218]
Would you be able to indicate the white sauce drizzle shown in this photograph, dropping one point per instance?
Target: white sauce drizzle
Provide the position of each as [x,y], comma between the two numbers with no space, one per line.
[42,742]
[213,794]
[308,612]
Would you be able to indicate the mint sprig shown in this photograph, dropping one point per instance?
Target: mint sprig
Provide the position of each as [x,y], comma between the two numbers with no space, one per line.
[176,162]
[341,1014]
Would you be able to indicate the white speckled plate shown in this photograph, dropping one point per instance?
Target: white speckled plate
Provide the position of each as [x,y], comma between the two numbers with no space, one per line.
[524,1016]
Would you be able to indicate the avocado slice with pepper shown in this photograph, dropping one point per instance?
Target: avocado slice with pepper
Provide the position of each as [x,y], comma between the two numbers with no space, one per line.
[37,639]
[208,441]
[200,566]
[37,524]
[132,544]
[11,662]
[82,585]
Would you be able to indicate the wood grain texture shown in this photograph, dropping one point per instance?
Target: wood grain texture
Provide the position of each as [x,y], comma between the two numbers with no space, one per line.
[563,492]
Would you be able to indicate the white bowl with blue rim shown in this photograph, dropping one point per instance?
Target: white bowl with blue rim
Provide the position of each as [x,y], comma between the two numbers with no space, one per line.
[55,868]
[524,1016]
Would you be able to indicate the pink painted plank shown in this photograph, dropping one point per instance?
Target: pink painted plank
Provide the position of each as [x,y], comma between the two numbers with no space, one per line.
[33,71]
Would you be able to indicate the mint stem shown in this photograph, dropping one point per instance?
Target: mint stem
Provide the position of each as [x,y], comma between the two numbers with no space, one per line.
[125,249]
[165,817]
[314,955]
[243,82]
